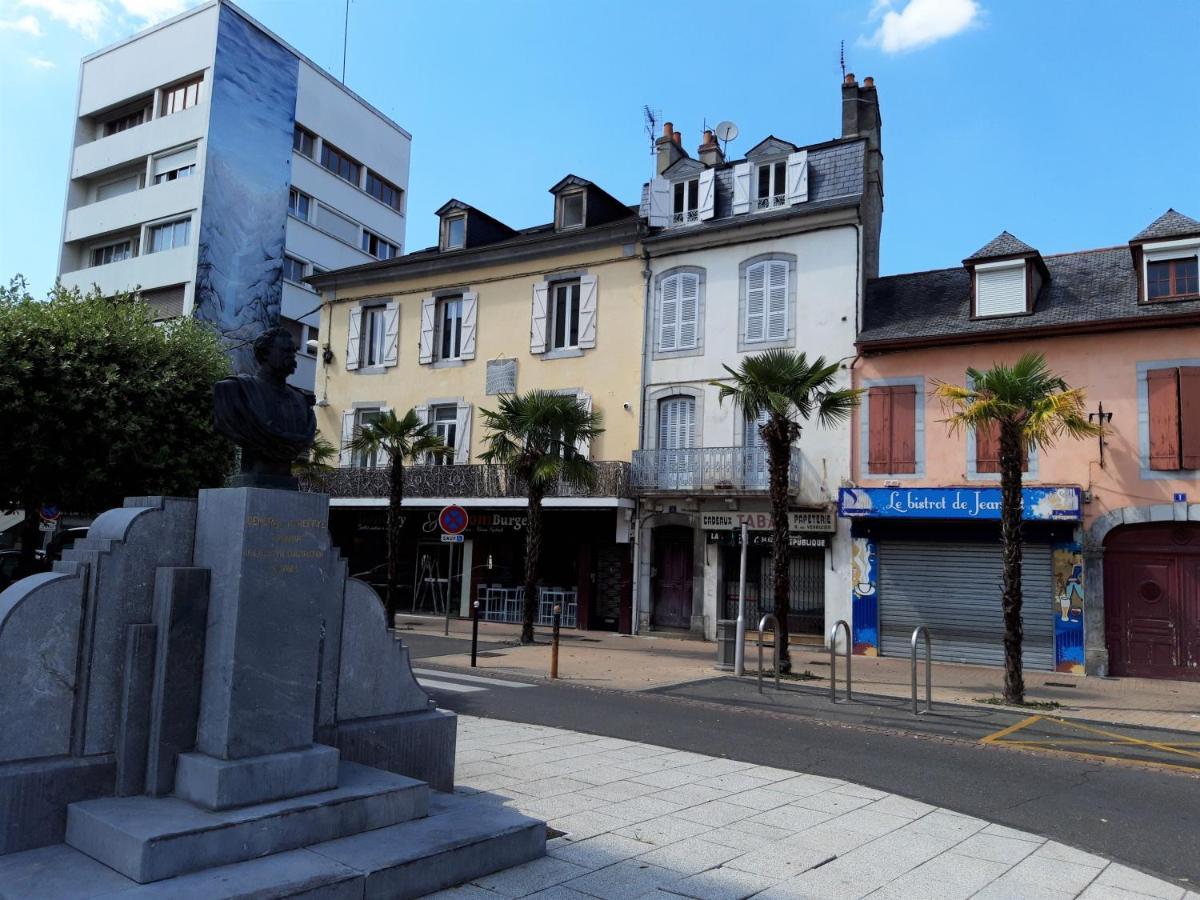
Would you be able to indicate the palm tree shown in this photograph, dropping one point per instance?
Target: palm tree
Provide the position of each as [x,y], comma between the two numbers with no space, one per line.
[400,440]
[536,435]
[787,389]
[317,460]
[1032,407]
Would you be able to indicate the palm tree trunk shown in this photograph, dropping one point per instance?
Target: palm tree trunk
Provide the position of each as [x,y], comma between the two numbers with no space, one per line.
[779,449]
[394,526]
[533,552]
[1010,537]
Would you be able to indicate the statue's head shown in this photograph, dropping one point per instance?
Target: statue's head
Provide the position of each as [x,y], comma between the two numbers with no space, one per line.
[275,351]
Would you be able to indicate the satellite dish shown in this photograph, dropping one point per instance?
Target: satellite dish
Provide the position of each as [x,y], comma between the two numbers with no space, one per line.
[726,131]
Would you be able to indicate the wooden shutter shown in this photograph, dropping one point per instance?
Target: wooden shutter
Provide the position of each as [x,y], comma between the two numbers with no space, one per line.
[756,302]
[879,439]
[466,344]
[689,310]
[354,337]
[462,434]
[675,423]
[797,177]
[583,446]
[777,300]
[1189,417]
[668,314]
[345,458]
[660,202]
[537,321]
[741,188]
[391,334]
[1162,396]
[987,448]
[428,320]
[587,312]
[708,193]
[904,429]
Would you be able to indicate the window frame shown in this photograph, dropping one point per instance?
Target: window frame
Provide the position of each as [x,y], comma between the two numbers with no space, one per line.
[572,313]
[361,459]
[563,199]
[185,88]
[372,336]
[440,427]
[156,227]
[300,135]
[789,337]
[682,191]
[1173,263]
[141,114]
[660,280]
[384,187]
[370,238]
[295,260]
[441,305]
[131,246]
[307,201]
[331,153]
[776,197]
[1143,394]
[448,223]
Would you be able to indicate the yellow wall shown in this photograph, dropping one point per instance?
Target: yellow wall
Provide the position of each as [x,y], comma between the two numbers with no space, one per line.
[610,372]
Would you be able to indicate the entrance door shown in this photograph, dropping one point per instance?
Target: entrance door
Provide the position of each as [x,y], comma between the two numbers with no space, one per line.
[671,585]
[1152,600]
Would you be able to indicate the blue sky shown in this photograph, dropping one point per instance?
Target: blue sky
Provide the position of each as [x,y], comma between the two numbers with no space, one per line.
[1071,124]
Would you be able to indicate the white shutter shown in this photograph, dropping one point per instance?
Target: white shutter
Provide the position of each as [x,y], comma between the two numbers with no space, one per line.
[423,417]
[665,427]
[428,318]
[344,455]
[177,160]
[537,322]
[1000,288]
[668,314]
[467,333]
[708,194]
[797,177]
[391,334]
[354,337]
[587,312]
[741,188]
[689,310]
[777,300]
[462,434]
[675,423]
[756,302]
[660,202]
[583,446]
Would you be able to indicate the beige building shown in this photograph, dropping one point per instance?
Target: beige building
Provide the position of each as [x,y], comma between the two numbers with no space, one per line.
[445,331]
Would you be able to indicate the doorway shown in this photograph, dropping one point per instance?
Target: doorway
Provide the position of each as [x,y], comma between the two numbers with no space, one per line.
[671,582]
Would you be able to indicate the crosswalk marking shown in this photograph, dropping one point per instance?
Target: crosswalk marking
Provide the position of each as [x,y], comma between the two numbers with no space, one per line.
[476,679]
[448,686]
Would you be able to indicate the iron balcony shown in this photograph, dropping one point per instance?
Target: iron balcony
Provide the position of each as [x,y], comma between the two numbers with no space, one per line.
[475,480]
[729,470]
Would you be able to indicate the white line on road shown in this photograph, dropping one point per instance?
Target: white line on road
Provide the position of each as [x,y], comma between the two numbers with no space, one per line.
[447,686]
[472,678]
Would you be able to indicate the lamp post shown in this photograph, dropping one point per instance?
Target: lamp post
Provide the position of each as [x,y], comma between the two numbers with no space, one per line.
[739,649]
[1103,418]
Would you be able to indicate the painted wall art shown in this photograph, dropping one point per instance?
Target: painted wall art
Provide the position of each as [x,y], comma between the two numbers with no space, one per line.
[864,599]
[1067,564]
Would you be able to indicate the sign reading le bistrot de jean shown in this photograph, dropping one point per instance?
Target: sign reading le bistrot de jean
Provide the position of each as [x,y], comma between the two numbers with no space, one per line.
[1039,504]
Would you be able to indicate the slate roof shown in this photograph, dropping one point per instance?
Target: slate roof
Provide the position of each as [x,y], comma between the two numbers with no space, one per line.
[1170,224]
[1085,287]
[1003,244]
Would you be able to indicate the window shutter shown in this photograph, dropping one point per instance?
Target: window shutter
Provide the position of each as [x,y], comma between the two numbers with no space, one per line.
[797,177]
[741,188]
[391,334]
[904,429]
[668,314]
[583,446]
[756,302]
[428,318]
[587,312]
[462,434]
[176,160]
[470,302]
[987,448]
[1000,291]
[777,300]
[1162,394]
[537,323]
[1189,416]
[879,440]
[422,414]
[689,310]
[344,455]
[354,338]
[708,194]
[660,202]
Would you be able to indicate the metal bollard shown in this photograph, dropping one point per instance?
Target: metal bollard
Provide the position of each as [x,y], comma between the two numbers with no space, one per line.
[928,670]
[474,631]
[840,623]
[762,624]
[554,645]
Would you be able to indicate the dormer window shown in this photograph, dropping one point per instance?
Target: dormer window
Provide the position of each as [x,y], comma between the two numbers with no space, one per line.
[454,235]
[1172,279]
[570,210]
[1000,289]
[772,185]
[686,202]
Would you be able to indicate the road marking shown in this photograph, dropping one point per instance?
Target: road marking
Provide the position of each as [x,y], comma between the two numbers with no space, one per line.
[499,682]
[447,686]
[1123,738]
[1004,732]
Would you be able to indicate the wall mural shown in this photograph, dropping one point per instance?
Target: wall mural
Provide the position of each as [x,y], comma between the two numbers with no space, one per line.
[864,599]
[239,281]
[1067,563]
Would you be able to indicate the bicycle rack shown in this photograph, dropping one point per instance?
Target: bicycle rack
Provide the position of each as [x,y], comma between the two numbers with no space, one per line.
[921,629]
[762,623]
[840,623]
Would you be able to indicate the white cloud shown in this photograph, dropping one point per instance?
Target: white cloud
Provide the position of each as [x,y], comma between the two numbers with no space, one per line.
[920,23]
[27,24]
[92,18]
[85,16]
[38,63]
[150,11]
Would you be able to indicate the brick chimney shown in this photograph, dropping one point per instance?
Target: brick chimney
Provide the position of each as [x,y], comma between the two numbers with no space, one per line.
[710,151]
[669,148]
[861,118]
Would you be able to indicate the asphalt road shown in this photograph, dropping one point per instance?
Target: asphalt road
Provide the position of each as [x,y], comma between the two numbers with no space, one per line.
[1145,816]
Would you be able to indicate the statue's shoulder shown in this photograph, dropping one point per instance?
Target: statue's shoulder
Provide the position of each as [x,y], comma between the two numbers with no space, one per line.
[308,398]
[234,384]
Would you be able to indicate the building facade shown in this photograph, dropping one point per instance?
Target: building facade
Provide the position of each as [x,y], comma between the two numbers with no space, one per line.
[491,310]
[744,255]
[214,167]
[1111,568]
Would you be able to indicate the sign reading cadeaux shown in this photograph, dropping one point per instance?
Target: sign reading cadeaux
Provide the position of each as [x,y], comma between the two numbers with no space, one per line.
[798,520]
[1038,504]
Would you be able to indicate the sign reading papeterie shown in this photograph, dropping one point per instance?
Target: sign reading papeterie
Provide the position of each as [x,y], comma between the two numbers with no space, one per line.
[820,520]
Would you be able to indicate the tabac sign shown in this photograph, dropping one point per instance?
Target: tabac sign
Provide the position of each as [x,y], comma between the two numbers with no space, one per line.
[822,520]
[1038,504]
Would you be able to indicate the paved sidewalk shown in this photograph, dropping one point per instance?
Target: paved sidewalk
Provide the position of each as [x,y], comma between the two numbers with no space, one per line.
[622,662]
[641,820]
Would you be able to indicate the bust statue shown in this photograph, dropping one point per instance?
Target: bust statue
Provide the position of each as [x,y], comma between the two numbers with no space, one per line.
[269,419]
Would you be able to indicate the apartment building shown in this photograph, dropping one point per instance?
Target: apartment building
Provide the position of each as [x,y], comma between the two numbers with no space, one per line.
[214,168]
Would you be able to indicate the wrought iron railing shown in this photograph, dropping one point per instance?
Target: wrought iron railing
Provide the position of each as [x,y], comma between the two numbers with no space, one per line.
[772,202]
[476,480]
[735,469]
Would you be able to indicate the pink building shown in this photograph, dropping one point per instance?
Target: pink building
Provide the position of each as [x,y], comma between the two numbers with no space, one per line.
[1112,561]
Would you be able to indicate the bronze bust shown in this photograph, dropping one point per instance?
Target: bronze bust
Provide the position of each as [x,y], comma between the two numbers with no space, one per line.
[269,419]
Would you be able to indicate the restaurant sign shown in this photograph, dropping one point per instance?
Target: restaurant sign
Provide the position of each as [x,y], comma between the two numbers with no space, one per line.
[821,520]
[1038,504]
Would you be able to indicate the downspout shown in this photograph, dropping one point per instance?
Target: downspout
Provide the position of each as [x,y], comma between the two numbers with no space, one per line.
[638,513]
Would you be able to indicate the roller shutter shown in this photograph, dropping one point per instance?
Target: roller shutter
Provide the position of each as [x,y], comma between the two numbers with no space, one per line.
[954,590]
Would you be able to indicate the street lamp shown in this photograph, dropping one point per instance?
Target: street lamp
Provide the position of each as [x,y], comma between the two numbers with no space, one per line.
[1103,418]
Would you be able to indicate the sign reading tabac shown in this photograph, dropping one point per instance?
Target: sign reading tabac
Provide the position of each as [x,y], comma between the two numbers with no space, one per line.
[821,520]
[1038,504]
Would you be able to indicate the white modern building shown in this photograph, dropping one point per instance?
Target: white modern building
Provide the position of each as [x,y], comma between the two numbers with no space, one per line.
[771,250]
[214,168]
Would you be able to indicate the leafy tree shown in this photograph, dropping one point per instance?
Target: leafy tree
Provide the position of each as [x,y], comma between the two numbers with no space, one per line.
[789,390]
[1032,407]
[99,403]
[400,440]
[536,436]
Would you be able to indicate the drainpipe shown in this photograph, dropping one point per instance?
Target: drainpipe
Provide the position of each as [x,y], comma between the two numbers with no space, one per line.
[638,516]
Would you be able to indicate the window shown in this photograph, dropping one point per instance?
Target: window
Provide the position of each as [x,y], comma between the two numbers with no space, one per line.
[444,420]
[772,185]
[124,122]
[377,246]
[676,435]
[169,235]
[340,164]
[180,97]
[165,303]
[766,306]
[110,253]
[171,166]
[987,450]
[338,225]
[679,312]
[293,269]
[449,328]
[299,204]
[363,418]
[571,206]
[120,186]
[1000,289]
[374,334]
[564,315]
[1169,278]
[384,191]
[1173,397]
[686,202]
[304,141]
[456,232]
[892,430]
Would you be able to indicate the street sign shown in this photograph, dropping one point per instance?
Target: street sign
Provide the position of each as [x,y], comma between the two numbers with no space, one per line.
[49,513]
[1181,498]
[452,538]
[47,526]
[453,519]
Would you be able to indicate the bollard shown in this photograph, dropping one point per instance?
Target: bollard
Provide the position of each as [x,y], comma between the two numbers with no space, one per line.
[474,632]
[554,645]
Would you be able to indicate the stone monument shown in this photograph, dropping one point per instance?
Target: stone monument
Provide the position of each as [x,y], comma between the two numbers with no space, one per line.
[198,702]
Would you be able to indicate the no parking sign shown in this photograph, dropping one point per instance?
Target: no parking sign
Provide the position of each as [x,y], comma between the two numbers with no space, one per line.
[453,519]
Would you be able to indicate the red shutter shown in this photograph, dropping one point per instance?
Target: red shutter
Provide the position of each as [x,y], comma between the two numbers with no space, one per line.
[1162,390]
[1189,416]
[879,450]
[904,429]
[987,448]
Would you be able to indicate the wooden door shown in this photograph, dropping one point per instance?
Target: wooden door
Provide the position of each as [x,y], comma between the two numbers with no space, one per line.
[671,585]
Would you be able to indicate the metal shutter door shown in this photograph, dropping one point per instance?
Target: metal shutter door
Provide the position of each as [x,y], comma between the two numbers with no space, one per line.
[954,590]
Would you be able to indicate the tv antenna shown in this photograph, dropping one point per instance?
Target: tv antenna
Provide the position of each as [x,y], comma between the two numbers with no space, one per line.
[725,132]
[842,59]
[650,117]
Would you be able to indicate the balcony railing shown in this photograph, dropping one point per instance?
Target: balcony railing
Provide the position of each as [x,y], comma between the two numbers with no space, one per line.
[730,469]
[460,481]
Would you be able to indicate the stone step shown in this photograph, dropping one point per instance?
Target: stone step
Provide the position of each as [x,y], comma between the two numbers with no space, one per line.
[150,839]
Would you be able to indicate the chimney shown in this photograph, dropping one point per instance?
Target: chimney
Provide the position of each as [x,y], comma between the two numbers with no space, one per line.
[861,119]
[710,151]
[668,148]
